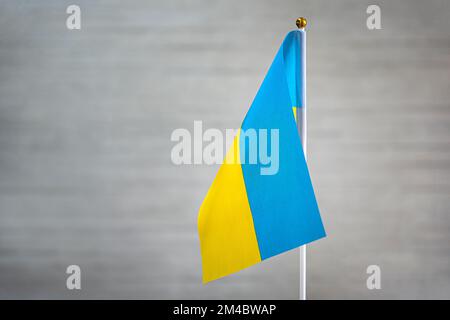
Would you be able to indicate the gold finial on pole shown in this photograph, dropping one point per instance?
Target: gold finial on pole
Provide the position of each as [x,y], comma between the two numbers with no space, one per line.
[301,23]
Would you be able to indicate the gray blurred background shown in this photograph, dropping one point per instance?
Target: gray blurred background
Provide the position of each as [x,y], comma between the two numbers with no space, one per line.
[86,117]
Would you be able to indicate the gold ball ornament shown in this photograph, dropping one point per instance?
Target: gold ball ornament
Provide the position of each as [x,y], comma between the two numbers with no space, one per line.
[301,23]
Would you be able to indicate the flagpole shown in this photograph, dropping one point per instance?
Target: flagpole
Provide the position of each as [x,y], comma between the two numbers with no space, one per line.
[302,126]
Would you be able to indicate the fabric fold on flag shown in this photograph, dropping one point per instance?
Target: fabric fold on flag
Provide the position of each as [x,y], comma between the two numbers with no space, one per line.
[251,212]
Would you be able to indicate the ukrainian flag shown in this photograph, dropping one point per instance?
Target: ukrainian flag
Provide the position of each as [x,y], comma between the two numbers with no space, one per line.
[247,216]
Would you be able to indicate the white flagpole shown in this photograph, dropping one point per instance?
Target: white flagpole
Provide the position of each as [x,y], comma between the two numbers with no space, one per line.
[302,126]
